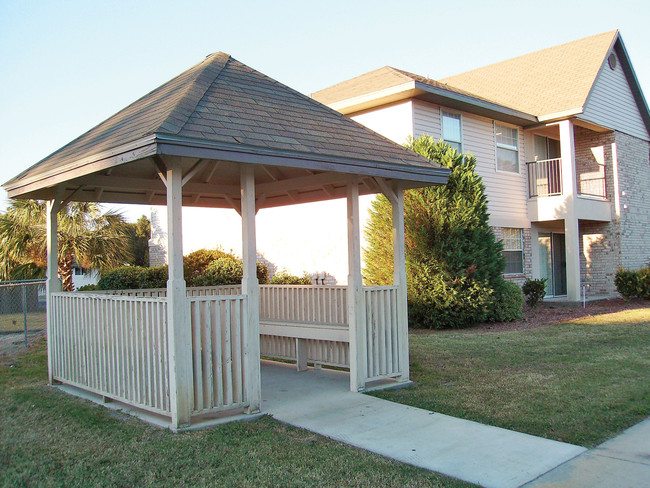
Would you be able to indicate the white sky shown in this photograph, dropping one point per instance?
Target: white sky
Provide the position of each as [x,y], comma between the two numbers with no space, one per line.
[67,65]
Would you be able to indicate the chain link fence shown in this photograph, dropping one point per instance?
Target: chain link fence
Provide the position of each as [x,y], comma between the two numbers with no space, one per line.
[22,307]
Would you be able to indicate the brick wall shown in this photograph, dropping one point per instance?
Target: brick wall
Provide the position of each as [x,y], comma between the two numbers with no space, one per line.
[528,261]
[634,188]
[625,241]
[592,150]
[600,256]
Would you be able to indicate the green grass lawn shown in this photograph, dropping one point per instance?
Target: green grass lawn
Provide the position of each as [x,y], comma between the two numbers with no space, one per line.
[580,382]
[15,322]
[48,438]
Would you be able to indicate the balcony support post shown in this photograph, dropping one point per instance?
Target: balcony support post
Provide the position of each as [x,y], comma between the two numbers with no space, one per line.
[570,191]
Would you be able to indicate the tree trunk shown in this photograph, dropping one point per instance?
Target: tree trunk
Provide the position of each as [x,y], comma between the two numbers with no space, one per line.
[65,270]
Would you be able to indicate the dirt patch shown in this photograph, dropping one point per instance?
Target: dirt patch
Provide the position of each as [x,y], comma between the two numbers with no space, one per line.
[553,313]
[12,344]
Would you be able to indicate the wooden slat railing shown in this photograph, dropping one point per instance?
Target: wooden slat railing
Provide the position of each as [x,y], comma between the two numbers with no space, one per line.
[218,337]
[382,338]
[300,303]
[115,346]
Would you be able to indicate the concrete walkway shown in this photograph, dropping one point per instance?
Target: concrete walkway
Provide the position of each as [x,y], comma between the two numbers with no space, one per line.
[320,401]
[621,462]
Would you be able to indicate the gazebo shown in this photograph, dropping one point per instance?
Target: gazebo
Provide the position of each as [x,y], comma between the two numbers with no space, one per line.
[224,135]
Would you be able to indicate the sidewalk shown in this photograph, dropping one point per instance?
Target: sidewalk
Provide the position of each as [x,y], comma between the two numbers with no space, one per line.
[320,401]
[621,462]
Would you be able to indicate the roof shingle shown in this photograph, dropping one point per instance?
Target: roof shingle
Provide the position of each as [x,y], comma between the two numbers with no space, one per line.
[225,101]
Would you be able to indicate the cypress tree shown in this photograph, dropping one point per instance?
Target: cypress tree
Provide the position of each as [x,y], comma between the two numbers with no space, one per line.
[454,262]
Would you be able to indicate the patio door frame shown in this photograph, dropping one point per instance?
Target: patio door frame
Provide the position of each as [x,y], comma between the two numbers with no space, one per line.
[557,281]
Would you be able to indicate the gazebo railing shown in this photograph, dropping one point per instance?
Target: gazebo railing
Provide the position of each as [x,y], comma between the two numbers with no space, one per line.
[218,336]
[115,346]
[382,335]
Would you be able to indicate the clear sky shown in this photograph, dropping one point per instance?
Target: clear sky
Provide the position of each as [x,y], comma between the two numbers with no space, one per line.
[67,65]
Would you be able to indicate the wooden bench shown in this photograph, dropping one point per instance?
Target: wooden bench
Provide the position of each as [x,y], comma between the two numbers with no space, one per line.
[301,332]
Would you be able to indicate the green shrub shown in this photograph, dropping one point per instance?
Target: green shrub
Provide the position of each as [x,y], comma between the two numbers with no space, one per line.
[508,303]
[196,262]
[222,271]
[262,273]
[122,278]
[88,288]
[154,277]
[633,284]
[284,278]
[437,301]
[535,291]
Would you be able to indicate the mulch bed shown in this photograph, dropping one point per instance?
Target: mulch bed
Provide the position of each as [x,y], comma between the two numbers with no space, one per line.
[552,313]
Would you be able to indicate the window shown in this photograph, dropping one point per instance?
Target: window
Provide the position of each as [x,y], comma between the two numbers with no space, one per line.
[451,130]
[507,148]
[513,250]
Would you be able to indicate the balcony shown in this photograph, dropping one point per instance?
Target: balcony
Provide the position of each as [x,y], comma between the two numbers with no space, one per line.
[548,200]
[545,178]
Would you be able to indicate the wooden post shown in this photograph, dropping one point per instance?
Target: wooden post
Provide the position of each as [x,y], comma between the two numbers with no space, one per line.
[250,288]
[53,284]
[178,324]
[301,354]
[356,298]
[399,280]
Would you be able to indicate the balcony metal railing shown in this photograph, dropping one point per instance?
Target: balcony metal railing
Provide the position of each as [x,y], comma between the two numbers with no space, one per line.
[591,178]
[544,177]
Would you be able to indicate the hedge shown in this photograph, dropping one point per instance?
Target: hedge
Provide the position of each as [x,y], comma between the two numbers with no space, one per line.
[633,284]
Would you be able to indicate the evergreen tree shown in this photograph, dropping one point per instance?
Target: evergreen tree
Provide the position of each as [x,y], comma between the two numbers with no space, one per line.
[454,262]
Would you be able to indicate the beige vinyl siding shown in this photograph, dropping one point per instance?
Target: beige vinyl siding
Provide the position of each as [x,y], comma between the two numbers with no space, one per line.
[507,194]
[612,105]
[393,121]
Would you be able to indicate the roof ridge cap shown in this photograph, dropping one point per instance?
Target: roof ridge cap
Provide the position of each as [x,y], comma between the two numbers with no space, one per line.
[191,96]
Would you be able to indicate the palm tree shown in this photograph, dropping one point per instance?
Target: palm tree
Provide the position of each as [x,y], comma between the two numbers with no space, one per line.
[86,236]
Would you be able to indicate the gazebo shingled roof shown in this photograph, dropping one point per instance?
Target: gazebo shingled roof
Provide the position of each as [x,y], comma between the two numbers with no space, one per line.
[216,114]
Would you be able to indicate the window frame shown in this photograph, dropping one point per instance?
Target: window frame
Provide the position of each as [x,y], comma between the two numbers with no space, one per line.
[498,145]
[444,111]
[521,248]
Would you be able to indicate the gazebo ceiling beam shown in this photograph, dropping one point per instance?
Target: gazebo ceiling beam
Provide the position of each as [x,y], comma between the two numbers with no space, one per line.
[273,172]
[198,166]
[161,168]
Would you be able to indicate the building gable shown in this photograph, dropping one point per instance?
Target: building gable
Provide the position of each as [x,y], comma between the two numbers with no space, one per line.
[612,103]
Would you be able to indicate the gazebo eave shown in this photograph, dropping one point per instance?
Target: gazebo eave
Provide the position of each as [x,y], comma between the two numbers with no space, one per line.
[107,177]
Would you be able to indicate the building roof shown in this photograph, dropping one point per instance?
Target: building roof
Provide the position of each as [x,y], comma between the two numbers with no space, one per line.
[225,110]
[388,84]
[551,81]
[550,84]
[376,80]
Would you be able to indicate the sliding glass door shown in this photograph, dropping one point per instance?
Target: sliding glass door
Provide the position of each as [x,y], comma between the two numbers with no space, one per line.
[552,262]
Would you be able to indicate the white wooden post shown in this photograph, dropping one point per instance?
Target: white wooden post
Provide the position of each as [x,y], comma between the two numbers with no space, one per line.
[250,288]
[399,280]
[53,284]
[570,191]
[178,323]
[301,354]
[356,298]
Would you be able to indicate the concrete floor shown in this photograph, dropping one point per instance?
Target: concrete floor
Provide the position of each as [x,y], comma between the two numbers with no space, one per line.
[320,401]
